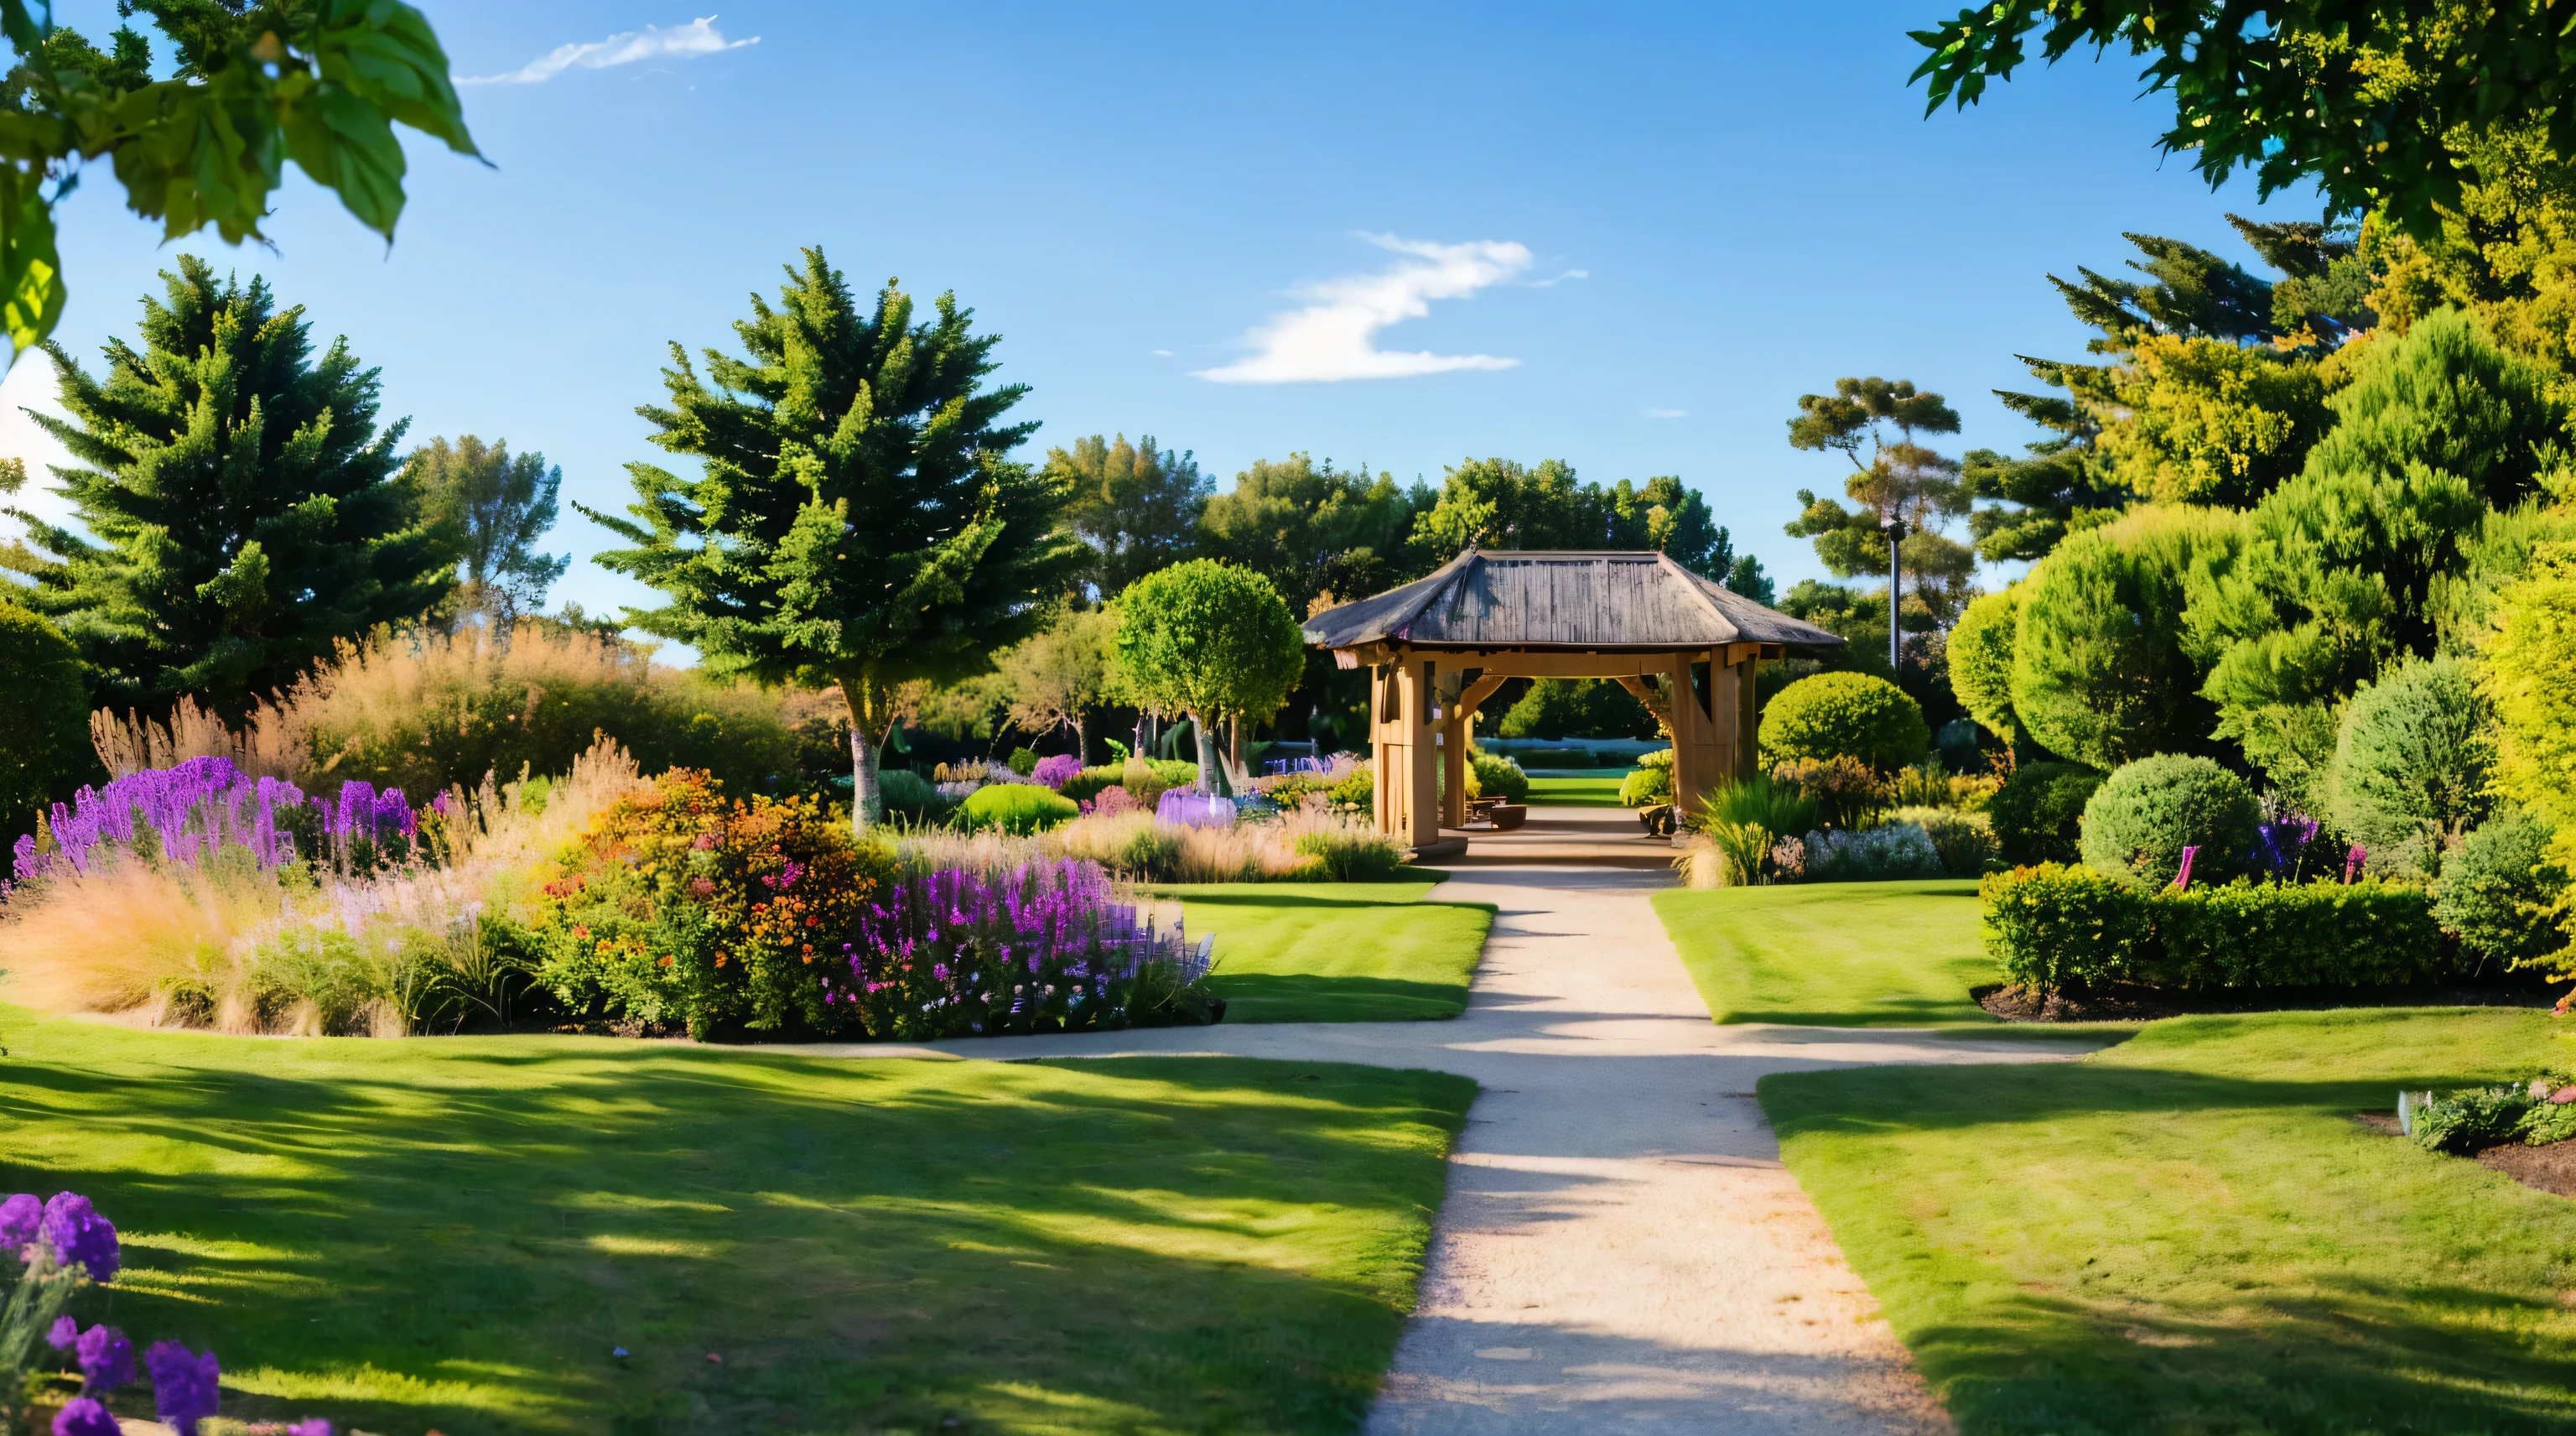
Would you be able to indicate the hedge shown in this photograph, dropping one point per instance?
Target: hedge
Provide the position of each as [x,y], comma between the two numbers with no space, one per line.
[1016,808]
[2055,926]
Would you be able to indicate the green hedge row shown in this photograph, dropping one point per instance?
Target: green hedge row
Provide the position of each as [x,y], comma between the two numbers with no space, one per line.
[2055,926]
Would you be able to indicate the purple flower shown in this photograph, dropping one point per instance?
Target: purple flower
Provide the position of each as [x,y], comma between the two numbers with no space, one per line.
[80,1236]
[106,1358]
[81,1416]
[19,1217]
[65,1332]
[314,1427]
[183,1385]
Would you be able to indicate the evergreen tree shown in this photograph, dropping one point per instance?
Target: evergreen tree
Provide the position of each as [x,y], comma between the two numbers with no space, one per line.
[2060,486]
[1902,481]
[493,505]
[855,519]
[239,511]
[1137,509]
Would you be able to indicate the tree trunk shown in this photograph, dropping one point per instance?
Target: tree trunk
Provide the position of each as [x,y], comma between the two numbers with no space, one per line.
[1201,740]
[1081,742]
[872,715]
[1238,773]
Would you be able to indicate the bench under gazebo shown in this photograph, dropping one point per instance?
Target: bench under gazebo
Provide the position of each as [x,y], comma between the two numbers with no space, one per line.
[1440,646]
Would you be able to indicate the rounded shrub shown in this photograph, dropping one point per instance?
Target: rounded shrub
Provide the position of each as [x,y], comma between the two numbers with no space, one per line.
[1981,659]
[2411,765]
[1016,808]
[1650,782]
[44,719]
[1845,715]
[2100,671]
[2038,813]
[2142,817]
[1491,775]
[2495,890]
[911,794]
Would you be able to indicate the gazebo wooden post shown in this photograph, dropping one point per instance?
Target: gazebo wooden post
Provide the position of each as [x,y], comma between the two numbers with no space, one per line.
[1452,740]
[1408,799]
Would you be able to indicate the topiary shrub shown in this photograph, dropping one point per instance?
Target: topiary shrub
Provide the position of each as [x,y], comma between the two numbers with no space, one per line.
[44,719]
[1981,660]
[1082,787]
[2496,889]
[1845,715]
[1650,782]
[2052,926]
[2411,765]
[2100,671]
[2142,817]
[2038,813]
[1016,808]
[1491,775]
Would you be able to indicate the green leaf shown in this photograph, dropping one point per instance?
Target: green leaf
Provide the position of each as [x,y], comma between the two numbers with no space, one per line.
[348,146]
[31,280]
[385,54]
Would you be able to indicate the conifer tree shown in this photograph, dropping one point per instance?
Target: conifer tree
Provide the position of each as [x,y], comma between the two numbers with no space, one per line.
[238,508]
[856,519]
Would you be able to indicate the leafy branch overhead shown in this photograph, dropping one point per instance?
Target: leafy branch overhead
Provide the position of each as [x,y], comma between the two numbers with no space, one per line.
[2374,101]
[319,82]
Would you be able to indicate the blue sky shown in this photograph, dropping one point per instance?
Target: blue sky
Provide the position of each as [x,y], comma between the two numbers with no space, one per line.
[1634,233]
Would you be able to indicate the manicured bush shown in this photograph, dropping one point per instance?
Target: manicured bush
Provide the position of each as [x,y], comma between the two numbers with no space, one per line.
[1016,808]
[1351,855]
[1981,660]
[2496,892]
[1491,775]
[1846,792]
[1023,761]
[2056,926]
[1844,715]
[2411,765]
[2038,813]
[44,719]
[2099,668]
[1891,850]
[1650,782]
[2142,817]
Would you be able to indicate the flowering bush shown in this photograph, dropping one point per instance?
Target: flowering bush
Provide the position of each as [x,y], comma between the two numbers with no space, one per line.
[1052,770]
[1896,850]
[50,1252]
[1042,948]
[681,906]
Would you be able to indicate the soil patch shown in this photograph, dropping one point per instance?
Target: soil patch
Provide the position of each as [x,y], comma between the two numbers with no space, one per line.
[2136,1002]
[2550,1169]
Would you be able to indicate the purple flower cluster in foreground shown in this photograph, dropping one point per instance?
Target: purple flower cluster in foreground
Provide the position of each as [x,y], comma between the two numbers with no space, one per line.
[57,1248]
[1041,948]
[189,812]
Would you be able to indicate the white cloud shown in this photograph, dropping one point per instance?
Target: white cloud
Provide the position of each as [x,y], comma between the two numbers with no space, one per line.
[681,42]
[1166,353]
[1668,413]
[1560,279]
[1334,336]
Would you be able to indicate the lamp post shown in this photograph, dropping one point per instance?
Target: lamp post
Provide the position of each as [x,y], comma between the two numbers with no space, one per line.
[1895,587]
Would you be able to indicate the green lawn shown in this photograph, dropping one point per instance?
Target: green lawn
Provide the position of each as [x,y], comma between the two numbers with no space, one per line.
[456,1233]
[1900,954]
[2189,1233]
[1577,789]
[1336,952]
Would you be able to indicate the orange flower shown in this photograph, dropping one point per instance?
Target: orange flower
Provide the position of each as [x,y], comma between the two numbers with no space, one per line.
[666,961]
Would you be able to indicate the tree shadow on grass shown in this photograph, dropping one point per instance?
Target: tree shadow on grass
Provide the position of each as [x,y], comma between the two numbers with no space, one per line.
[465,1240]
[2396,1314]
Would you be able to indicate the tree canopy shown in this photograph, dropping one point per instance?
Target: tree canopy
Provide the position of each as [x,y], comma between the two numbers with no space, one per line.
[1136,508]
[238,509]
[493,505]
[251,86]
[856,518]
[1210,640]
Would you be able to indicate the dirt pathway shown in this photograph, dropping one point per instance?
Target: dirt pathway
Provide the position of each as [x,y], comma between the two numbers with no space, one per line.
[1620,1243]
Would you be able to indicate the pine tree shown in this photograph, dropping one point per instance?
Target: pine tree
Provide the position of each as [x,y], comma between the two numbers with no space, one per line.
[1902,481]
[493,505]
[238,508]
[1137,509]
[856,518]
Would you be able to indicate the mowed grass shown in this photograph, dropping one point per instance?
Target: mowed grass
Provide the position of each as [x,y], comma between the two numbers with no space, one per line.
[456,1233]
[1900,954]
[2189,1232]
[1336,952]
[1576,788]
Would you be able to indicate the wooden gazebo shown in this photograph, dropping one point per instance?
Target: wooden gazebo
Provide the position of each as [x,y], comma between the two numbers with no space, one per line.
[1440,646]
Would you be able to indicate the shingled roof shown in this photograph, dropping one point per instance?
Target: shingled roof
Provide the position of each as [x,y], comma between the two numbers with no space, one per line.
[1609,601]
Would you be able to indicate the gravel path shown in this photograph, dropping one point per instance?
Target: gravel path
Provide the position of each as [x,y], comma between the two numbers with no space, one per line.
[1620,1243]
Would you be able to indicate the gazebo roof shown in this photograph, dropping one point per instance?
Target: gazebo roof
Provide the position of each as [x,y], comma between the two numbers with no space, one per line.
[1593,601]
